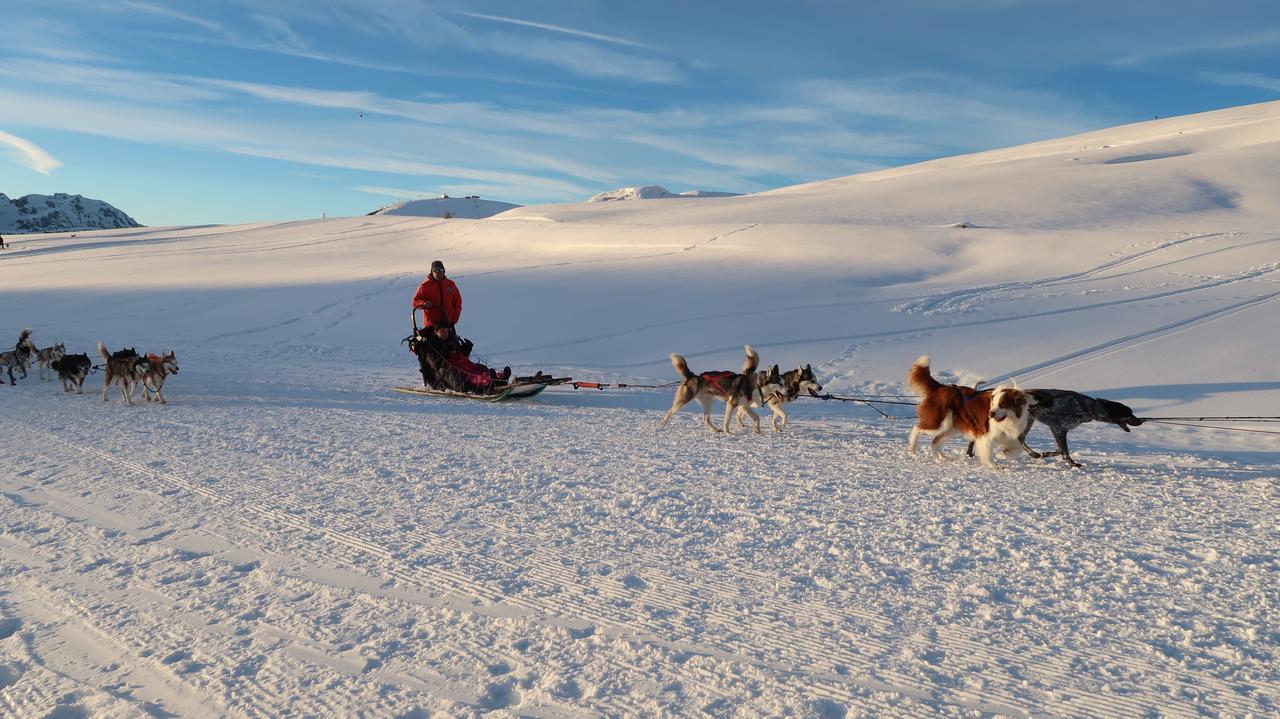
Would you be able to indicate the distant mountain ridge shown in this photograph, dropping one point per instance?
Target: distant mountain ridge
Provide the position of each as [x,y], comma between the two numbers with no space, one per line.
[652,192]
[59,212]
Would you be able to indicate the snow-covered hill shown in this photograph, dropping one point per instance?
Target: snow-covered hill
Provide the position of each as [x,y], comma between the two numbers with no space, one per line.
[59,212]
[471,208]
[288,537]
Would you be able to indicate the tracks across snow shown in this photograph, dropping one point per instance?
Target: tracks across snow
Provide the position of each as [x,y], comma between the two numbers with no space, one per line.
[633,572]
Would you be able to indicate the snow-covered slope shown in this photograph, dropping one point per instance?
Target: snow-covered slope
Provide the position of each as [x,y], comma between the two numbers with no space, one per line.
[471,208]
[59,212]
[287,537]
[1183,173]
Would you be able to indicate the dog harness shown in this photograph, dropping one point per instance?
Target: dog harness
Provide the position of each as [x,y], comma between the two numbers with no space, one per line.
[719,380]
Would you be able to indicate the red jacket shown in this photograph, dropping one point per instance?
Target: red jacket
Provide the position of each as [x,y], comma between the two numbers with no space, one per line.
[444,298]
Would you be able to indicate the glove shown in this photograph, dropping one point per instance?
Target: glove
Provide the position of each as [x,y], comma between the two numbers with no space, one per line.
[467,346]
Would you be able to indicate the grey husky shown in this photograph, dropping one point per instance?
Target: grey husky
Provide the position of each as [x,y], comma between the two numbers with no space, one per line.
[777,389]
[47,356]
[19,357]
[736,389]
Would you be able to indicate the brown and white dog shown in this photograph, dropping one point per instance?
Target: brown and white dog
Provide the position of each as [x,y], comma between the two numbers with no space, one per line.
[125,367]
[991,417]
[736,389]
[47,356]
[157,367]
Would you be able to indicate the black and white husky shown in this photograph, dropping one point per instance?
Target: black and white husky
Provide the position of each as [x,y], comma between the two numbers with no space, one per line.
[72,369]
[777,389]
[736,389]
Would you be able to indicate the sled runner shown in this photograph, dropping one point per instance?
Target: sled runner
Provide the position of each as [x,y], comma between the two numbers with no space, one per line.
[500,394]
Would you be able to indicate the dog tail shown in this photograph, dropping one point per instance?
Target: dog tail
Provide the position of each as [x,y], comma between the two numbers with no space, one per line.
[753,360]
[919,378]
[681,366]
[102,350]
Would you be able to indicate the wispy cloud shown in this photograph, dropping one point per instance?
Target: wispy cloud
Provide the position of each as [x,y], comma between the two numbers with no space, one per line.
[1242,79]
[951,113]
[171,14]
[280,34]
[588,60]
[1143,55]
[396,192]
[28,154]
[396,165]
[560,29]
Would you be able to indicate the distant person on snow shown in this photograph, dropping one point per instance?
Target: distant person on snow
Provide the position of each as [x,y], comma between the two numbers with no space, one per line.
[2,245]
[449,359]
[438,298]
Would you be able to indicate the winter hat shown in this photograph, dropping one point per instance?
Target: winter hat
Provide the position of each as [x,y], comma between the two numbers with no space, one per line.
[437,265]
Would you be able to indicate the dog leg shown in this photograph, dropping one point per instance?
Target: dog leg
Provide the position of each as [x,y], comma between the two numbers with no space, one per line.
[983,449]
[676,404]
[747,409]
[1060,436]
[911,440]
[106,385]
[935,446]
[706,413]
[729,408]
[1033,453]
[778,412]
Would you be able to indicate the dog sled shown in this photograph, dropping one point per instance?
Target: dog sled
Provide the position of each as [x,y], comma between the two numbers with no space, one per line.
[514,388]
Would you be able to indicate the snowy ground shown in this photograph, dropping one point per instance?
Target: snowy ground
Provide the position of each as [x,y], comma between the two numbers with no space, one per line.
[287,537]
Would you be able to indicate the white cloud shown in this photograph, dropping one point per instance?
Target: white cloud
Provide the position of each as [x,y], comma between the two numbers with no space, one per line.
[396,192]
[1230,43]
[172,14]
[25,152]
[1243,79]
[561,29]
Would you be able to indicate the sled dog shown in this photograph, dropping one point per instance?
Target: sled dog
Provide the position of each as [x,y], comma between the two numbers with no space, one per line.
[124,367]
[19,357]
[72,370]
[991,418]
[777,389]
[1063,410]
[155,369]
[735,389]
[47,356]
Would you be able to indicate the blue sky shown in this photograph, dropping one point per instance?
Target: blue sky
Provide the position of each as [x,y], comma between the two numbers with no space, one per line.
[237,111]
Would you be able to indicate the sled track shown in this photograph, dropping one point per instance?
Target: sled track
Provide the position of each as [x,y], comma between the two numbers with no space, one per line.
[959,300]
[798,646]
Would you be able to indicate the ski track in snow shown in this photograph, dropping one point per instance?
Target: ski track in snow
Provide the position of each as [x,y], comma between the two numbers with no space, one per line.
[855,602]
